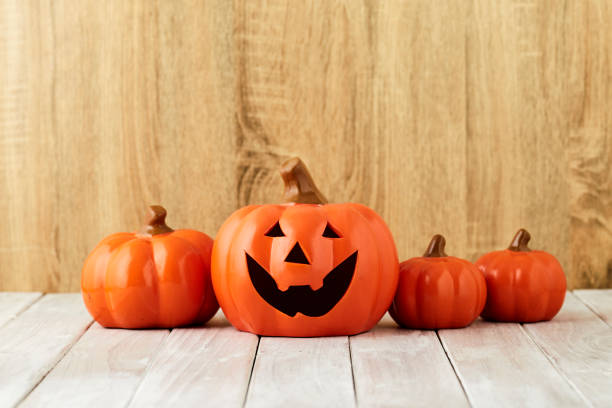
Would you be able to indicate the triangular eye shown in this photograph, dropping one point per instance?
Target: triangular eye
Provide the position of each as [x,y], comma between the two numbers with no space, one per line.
[275,231]
[329,232]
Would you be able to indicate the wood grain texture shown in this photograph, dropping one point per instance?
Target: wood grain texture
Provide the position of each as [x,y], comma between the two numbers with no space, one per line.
[304,85]
[13,303]
[564,362]
[302,372]
[516,129]
[466,118]
[589,150]
[103,369]
[599,301]
[579,343]
[120,105]
[394,367]
[417,119]
[202,366]
[28,157]
[499,365]
[36,340]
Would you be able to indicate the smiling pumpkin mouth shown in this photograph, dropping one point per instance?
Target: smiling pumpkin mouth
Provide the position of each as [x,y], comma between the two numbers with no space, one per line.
[303,299]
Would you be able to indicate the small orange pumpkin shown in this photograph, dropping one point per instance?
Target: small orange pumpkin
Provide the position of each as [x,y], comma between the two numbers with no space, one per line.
[437,291]
[523,285]
[304,268]
[156,277]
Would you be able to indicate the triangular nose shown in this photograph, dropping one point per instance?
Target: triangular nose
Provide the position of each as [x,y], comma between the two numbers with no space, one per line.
[296,255]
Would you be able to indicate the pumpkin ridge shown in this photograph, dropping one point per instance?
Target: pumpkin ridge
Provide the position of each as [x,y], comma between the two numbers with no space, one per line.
[208,288]
[539,267]
[229,255]
[551,308]
[220,262]
[382,232]
[482,286]
[166,241]
[473,272]
[112,255]
[474,308]
[454,271]
[375,236]
[99,282]
[108,273]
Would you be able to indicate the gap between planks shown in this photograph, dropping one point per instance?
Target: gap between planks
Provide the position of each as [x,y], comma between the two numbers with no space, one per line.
[14,303]
[361,351]
[398,367]
[579,343]
[599,301]
[251,372]
[199,367]
[36,340]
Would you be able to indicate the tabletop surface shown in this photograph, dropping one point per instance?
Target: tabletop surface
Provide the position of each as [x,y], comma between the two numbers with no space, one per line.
[51,354]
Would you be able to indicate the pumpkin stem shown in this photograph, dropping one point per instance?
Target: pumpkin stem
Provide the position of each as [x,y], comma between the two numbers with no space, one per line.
[436,247]
[155,223]
[299,186]
[520,241]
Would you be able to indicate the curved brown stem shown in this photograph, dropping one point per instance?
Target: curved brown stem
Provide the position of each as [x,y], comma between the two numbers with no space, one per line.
[299,186]
[520,241]
[436,247]
[156,222]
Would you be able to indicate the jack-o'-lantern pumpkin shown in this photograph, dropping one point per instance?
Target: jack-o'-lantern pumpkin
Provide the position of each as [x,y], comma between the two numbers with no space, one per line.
[304,268]
[437,291]
[156,277]
[524,285]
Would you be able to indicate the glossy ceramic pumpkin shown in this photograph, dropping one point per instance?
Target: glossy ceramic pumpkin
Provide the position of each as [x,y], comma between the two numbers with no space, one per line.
[523,285]
[304,268]
[156,277]
[437,291]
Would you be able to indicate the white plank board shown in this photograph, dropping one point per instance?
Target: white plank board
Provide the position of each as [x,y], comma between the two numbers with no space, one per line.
[598,300]
[205,366]
[395,367]
[302,372]
[32,343]
[499,365]
[580,345]
[103,369]
[13,303]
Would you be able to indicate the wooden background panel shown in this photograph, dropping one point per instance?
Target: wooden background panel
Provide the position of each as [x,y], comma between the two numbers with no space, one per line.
[515,92]
[304,76]
[470,119]
[341,95]
[589,149]
[124,104]
[418,113]
[28,154]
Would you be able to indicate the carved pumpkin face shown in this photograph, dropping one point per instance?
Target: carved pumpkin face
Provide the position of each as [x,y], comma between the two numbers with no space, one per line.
[295,282]
[304,269]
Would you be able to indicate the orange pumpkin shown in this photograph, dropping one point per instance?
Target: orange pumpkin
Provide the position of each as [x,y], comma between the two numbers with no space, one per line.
[524,285]
[156,277]
[437,291]
[304,268]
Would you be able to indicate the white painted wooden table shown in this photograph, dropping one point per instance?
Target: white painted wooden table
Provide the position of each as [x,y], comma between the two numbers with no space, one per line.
[52,355]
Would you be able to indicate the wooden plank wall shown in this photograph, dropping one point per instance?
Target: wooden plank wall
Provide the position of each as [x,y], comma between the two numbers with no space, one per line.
[467,118]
